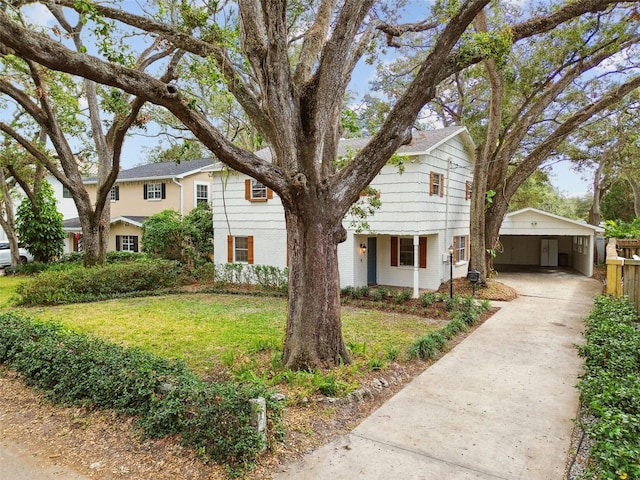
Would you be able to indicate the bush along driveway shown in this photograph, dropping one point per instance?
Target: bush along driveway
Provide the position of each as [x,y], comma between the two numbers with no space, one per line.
[610,390]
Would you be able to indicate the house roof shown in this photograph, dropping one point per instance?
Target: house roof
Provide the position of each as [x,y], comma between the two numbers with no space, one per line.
[162,170]
[73,224]
[422,142]
[513,216]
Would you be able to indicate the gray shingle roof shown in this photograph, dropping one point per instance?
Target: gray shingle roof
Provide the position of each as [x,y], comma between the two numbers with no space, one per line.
[421,142]
[161,170]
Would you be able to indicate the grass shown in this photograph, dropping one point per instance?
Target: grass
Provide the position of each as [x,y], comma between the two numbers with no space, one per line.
[228,334]
[8,288]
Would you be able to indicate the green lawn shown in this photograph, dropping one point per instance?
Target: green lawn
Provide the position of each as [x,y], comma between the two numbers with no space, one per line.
[7,289]
[211,331]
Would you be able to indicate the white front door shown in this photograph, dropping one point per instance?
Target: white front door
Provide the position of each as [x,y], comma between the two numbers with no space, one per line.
[549,252]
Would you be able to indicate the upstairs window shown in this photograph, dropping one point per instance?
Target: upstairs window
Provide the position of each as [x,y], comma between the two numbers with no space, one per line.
[202,193]
[436,184]
[255,191]
[154,191]
[114,194]
[66,193]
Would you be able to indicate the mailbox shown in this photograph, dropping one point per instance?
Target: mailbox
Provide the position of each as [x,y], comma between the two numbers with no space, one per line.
[474,277]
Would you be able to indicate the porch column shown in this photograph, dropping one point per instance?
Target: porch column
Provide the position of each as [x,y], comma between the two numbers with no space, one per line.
[416,263]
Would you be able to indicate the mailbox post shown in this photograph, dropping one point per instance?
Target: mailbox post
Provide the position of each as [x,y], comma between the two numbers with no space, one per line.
[474,277]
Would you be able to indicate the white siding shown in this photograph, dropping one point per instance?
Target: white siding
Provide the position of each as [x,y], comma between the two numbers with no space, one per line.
[407,210]
[66,206]
[233,215]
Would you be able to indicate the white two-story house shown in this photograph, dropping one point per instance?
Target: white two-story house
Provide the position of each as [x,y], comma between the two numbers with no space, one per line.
[425,212]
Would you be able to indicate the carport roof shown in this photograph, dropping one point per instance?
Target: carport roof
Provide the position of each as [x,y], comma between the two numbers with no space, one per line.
[525,222]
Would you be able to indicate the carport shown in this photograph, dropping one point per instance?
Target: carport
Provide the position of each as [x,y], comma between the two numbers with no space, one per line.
[531,237]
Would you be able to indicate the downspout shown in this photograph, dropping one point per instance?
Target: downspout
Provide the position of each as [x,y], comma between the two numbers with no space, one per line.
[416,263]
[181,195]
[445,247]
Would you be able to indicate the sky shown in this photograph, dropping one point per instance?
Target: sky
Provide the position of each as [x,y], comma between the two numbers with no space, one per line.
[565,180]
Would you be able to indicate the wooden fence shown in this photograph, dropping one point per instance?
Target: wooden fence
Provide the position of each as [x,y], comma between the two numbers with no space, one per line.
[623,272]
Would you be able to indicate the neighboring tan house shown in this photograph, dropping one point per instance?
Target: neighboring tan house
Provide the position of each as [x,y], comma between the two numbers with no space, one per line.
[143,191]
[425,211]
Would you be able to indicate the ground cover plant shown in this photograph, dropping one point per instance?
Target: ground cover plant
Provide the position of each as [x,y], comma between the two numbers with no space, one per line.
[610,391]
[166,396]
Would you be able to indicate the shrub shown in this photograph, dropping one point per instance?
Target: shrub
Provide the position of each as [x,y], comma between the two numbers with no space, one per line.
[423,348]
[166,396]
[223,275]
[610,392]
[360,292]
[347,291]
[378,294]
[401,296]
[429,298]
[86,284]
[32,268]
[39,225]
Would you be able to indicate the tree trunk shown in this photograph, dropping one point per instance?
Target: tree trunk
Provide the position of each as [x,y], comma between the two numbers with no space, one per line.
[594,212]
[493,221]
[477,225]
[91,243]
[635,188]
[314,328]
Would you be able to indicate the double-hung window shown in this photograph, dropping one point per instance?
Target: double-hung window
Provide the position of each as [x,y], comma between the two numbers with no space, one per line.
[436,184]
[406,251]
[403,252]
[154,191]
[201,193]
[255,191]
[240,249]
[127,243]
[460,248]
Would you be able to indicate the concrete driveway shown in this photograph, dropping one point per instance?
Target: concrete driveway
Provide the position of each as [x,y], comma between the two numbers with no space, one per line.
[498,406]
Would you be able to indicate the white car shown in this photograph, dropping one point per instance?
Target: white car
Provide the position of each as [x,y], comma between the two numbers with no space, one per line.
[5,255]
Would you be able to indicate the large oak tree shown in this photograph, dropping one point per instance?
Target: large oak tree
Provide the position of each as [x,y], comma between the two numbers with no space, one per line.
[522,103]
[289,67]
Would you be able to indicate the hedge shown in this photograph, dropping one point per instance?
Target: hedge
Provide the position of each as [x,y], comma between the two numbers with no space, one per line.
[164,395]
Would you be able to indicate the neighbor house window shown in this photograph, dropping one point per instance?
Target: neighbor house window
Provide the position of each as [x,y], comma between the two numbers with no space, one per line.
[254,191]
[240,249]
[115,193]
[154,191]
[460,248]
[127,243]
[66,193]
[402,252]
[202,193]
[436,184]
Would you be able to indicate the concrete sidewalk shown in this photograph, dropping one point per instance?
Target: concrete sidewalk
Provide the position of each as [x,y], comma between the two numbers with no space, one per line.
[498,406]
[17,464]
